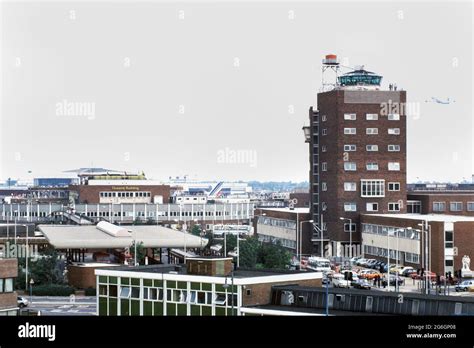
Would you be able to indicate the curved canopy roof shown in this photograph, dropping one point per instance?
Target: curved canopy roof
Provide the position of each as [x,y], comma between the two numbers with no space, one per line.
[90,237]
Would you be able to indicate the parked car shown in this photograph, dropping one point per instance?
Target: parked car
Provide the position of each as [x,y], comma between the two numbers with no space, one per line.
[361,261]
[371,263]
[361,284]
[355,259]
[403,269]
[394,279]
[385,267]
[369,274]
[355,276]
[465,285]
[428,274]
[396,269]
[408,272]
[338,281]
[22,302]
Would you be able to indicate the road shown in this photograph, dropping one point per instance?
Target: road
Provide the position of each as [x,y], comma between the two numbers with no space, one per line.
[63,305]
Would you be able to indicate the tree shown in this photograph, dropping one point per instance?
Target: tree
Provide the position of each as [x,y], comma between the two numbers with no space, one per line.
[275,256]
[141,252]
[230,242]
[45,270]
[249,250]
[137,221]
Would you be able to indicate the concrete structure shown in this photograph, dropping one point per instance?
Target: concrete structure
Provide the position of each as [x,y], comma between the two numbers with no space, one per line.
[8,297]
[283,225]
[359,303]
[449,239]
[208,287]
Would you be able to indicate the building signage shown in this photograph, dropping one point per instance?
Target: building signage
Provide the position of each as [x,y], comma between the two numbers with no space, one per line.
[125,188]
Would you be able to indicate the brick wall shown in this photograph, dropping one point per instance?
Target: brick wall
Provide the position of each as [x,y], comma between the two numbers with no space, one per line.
[82,277]
[334,105]
[91,193]
[261,294]
[8,269]
[427,200]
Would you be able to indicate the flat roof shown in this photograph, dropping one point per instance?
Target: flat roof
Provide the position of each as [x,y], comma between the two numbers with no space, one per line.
[181,269]
[288,210]
[89,237]
[427,217]
[179,273]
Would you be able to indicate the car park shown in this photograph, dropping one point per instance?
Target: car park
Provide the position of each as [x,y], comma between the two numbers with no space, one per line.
[465,285]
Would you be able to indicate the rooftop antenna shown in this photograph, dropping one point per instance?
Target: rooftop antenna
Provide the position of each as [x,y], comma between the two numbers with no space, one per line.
[330,63]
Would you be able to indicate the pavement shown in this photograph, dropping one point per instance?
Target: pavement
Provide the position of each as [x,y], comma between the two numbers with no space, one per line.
[63,305]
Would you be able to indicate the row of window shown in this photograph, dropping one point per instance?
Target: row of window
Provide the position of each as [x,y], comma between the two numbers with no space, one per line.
[160,213]
[125,194]
[352,166]
[402,256]
[453,206]
[368,188]
[172,295]
[369,117]
[371,206]
[372,148]
[368,131]
[277,222]
[391,230]
[287,243]
[6,285]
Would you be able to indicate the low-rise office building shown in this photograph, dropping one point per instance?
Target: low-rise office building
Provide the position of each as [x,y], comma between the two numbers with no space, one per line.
[282,225]
[205,287]
[442,241]
[454,202]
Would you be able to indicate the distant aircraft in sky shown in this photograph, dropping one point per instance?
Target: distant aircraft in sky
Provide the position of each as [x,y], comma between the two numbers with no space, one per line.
[440,101]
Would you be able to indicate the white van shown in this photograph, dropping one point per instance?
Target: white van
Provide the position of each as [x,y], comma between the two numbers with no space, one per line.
[338,281]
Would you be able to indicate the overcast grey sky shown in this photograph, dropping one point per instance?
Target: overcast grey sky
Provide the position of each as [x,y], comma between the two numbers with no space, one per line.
[175,88]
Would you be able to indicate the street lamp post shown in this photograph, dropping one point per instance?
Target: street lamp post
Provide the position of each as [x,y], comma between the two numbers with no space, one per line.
[8,229]
[350,237]
[426,230]
[16,218]
[31,289]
